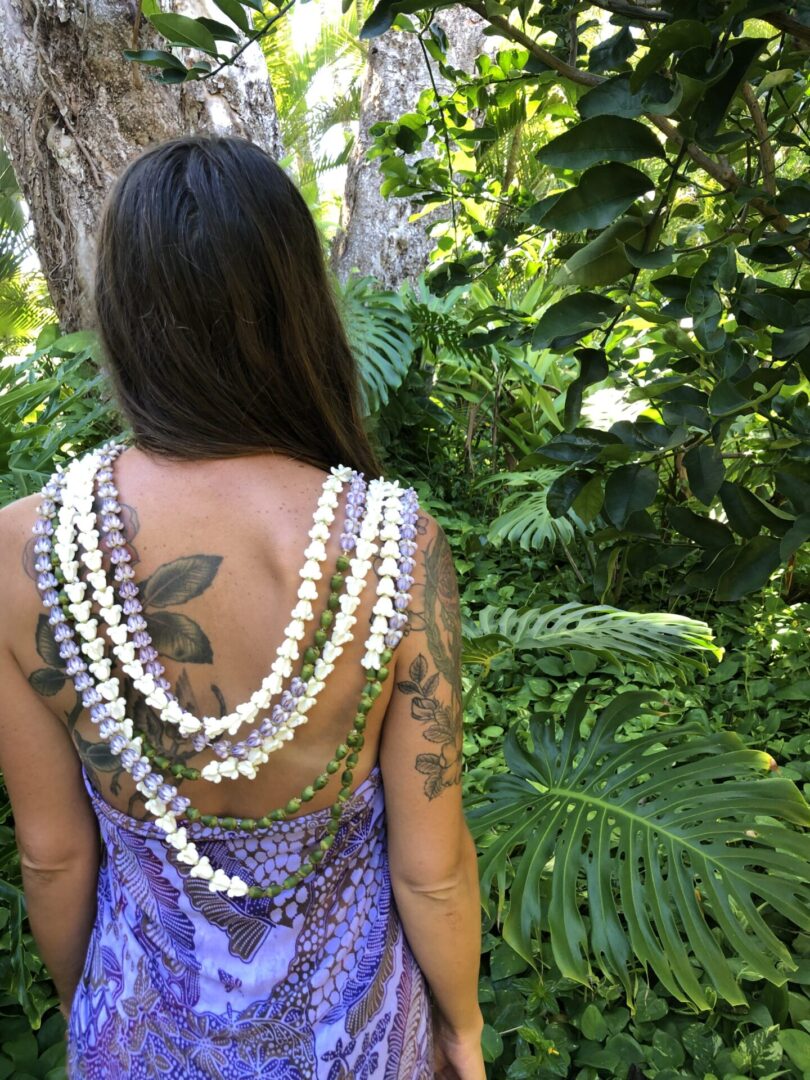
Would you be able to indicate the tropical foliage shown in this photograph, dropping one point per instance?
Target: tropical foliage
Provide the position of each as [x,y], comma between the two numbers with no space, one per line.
[600,388]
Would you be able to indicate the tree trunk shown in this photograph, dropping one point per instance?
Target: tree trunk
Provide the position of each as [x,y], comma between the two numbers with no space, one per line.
[73,112]
[376,236]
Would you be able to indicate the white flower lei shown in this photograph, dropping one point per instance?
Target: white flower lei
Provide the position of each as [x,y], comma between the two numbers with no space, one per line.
[78,492]
[162,799]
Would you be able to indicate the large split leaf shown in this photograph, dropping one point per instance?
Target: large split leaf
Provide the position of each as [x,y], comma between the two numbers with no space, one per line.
[671,851]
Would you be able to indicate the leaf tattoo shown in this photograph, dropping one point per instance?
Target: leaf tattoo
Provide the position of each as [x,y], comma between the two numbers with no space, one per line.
[442,769]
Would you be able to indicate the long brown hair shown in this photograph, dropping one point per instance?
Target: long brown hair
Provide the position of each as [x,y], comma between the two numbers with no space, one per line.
[216,314]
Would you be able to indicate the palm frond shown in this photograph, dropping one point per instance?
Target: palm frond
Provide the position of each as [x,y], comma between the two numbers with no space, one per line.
[525,517]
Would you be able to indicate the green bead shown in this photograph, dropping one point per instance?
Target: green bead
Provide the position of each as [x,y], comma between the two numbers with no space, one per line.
[375,691]
[351,761]
[307,866]
[293,806]
[327,618]
[273,890]
[333,767]
[343,563]
[326,843]
[161,762]
[333,826]
[346,777]
[342,797]
[321,637]
[365,704]
[333,603]
[359,722]
[341,752]
[386,655]
[277,815]
[178,770]
[317,856]
[192,813]
[248,824]
[382,673]
[307,671]
[336,583]
[59,575]
[337,810]
[355,739]
[256,892]
[308,794]
[209,820]
[310,655]
[320,781]
[228,822]
[263,822]
[192,774]
[289,882]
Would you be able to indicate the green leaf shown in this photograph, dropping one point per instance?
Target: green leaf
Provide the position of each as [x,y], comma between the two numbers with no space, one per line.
[236,13]
[181,30]
[178,637]
[605,259]
[615,98]
[713,106]
[592,1023]
[603,192]
[380,333]
[602,138]
[796,1045]
[181,580]
[611,54]
[571,318]
[710,534]
[380,20]
[671,39]
[661,849]
[628,489]
[751,569]
[705,471]
[155,58]
[607,632]
[797,534]
[220,32]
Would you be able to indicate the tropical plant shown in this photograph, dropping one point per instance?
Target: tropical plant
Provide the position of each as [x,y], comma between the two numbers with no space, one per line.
[670,851]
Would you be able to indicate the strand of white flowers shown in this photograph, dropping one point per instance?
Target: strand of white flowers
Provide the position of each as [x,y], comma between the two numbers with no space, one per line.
[388,571]
[366,548]
[165,804]
[158,698]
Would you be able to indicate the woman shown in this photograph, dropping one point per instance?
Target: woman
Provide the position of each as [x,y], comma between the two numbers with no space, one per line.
[261,903]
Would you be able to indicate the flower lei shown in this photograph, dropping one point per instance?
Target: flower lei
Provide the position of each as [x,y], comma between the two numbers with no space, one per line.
[68,501]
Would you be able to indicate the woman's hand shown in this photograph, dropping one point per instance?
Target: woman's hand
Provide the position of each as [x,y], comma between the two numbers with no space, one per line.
[457,1055]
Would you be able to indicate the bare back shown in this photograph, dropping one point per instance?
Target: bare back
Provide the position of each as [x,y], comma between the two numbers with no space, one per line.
[219,546]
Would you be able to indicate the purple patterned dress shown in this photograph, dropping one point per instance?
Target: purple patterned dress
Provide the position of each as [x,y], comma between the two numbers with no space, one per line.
[316,984]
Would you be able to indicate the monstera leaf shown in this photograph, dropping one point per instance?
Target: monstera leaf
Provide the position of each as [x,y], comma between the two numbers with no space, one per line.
[672,851]
[610,632]
[379,332]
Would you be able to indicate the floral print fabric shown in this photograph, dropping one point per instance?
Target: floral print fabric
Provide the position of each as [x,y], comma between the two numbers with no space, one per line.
[316,984]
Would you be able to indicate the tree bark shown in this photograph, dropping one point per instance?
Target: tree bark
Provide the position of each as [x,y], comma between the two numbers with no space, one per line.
[73,112]
[376,236]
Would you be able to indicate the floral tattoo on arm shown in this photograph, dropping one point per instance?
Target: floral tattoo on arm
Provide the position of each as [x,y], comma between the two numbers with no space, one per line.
[436,694]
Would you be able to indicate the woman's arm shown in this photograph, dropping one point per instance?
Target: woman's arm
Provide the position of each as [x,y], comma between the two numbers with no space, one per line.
[431,853]
[56,829]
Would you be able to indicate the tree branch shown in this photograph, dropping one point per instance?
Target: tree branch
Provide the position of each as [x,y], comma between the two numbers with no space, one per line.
[764,147]
[787,23]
